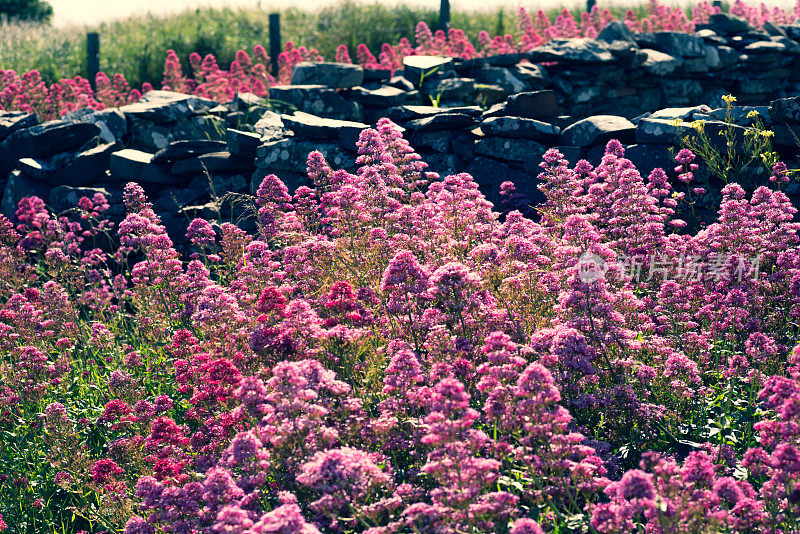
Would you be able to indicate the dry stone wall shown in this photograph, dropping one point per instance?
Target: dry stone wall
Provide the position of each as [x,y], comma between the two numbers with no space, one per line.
[492,117]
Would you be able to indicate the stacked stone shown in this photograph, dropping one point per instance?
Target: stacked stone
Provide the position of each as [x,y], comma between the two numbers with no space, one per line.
[492,117]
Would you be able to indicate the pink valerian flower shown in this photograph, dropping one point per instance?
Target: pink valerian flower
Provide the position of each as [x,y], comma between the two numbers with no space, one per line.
[105,471]
[685,166]
[344,479]
[780,173]
[200,232]
[287,519]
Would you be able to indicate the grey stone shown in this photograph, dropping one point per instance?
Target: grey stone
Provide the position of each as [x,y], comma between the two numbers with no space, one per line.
[11,121]
[49,138]
[533,105]
[506,60]
[627,51]
[598,129]
[329,74]
[417,68]
[437,141]
[307,125]
[242,144]
[785,109]
[662,131]
[680,44]
[615,31]
[575,50]
[727,56]
[245,101]
[683,114]
[712,57]
[112,122]
[501,77]
[152,137]
[270,125]
[520,127]
[86,168]
[765,47]
[442,121]
[773,29]
[534,75]
[509,149]
[739,114]
[659,63]
[166,106]
[403,114]
[449,89]
[488,95]
[43,168]
[291,154]
[315,99]
[213,163]
[129,163]
[178,150]
[401,82]
[385,96]
[727,24]
[378,75]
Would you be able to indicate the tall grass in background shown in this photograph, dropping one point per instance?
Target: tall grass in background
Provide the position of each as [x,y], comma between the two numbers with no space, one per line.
[136,46]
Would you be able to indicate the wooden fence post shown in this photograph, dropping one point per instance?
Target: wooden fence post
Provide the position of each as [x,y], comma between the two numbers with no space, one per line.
[93,57]
[275,45]
[444,15]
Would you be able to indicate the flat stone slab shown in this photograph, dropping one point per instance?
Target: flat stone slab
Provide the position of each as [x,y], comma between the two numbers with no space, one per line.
[213,163]
[680,44]
[329,74]
[417,68]
[662,131]
[167,106]
[785,109]
[574,50]
[11,121]
[533,105]
[311,126]
[403,114]
[129,164]
[86,168]
[448,89]
[442,121]
[518,127]
[510,149]
[50,138]
[598,129]
[291,154]
[178,150]
[317,99]
[270,125]
[241,143]
[385,96]
[659,63]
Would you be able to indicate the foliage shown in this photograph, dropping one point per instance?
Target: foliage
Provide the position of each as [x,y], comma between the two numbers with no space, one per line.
[388,353]
[30,10]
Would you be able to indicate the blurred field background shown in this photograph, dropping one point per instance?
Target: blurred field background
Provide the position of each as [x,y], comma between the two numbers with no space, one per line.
[136,46]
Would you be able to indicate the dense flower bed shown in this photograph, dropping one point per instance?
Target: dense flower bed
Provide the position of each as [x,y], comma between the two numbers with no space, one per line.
[389,353]
[247,73]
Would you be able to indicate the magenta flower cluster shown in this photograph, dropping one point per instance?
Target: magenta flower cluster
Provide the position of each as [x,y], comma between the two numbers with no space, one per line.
[388,353]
